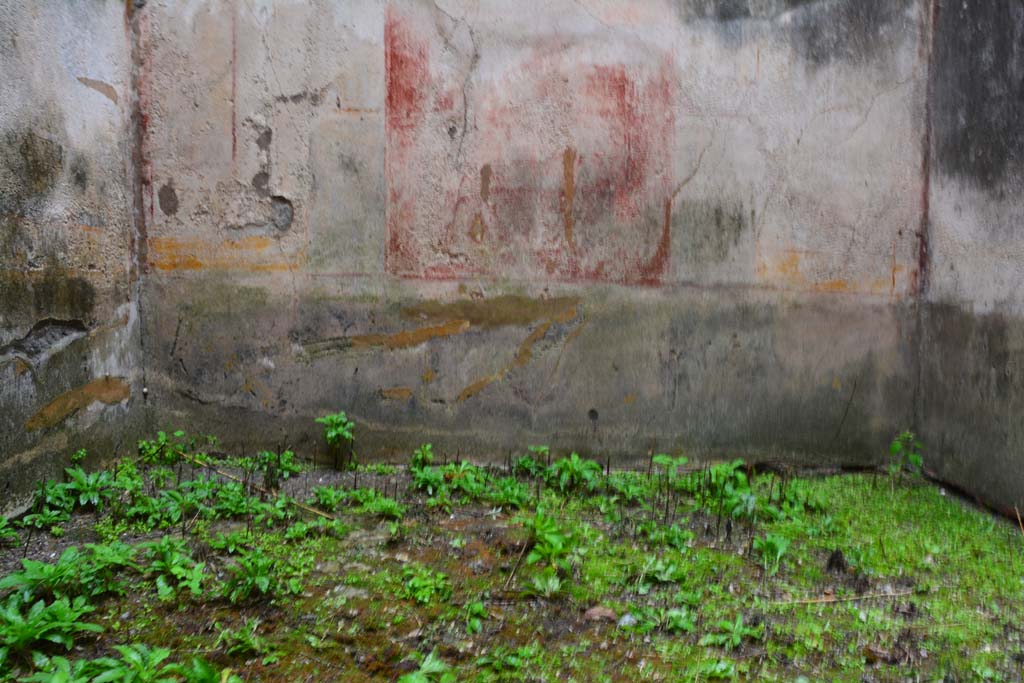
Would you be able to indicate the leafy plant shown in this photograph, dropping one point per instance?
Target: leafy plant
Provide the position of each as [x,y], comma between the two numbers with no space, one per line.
[502,659]
[669,466]
[510,493]
[45,580]
[731,634]
[574,473]
[246,641]
[138,663]
[231,501]
[56,623]
[531,465]
[162,450]
[275,467]
[678,620]
[905,454]
[716,669]
[89,489]
[329,498]
[422,457]
[257,574]
[372,502]
[339,432]
[8,534]
[232,542]
[467,479]
[174,568]
[422,584]
[546,584]
[550,544]
[771,548]
[430,480]
[432,669]
[60,670]
[201,671]
[474,613]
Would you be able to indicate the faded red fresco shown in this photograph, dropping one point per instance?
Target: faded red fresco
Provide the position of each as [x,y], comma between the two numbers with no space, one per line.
[405,62]
[564,172]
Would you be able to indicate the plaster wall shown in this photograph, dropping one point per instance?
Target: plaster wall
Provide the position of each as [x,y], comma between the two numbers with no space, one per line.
[607,226]
[68,327]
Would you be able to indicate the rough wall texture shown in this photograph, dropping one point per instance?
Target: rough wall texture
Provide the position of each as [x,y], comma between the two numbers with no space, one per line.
[603,225]
[783,227]
[68,343]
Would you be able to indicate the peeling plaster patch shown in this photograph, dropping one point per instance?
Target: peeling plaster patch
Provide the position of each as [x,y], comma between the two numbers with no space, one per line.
[101,87]
[497,312]
[44,339]
[168,199]
[523,355]
[281,212]
[109,390]
[245,254]
[409,338]
[261,183]
[396,393]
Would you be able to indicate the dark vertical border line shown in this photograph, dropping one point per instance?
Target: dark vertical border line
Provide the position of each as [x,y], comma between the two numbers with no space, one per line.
[138,174]
[924,227]
[234,80]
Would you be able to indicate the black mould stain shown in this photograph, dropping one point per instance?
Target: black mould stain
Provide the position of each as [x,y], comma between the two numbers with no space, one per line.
[64,297]
[707,230]
[821,31]
[168,199]
[264,138]
[54,296]
[80,171]
[977,87]
[261,182]
[281,212]
[31,166]
[850,30]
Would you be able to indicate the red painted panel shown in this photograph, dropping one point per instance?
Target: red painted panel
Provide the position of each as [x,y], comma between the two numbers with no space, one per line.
[564,171]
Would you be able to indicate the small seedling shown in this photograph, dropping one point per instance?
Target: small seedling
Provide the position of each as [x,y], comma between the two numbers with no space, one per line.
[432,669]
[474,614]
[546,585]
[731,634]
[905,455]
[138,664]
[424,585]
[771,548]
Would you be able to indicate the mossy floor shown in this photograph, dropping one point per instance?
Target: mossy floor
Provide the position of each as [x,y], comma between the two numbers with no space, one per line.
[546,569]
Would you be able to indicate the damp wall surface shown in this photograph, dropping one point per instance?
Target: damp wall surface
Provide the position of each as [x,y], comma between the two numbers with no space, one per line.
[784,229]
[69,344]
[972,352]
